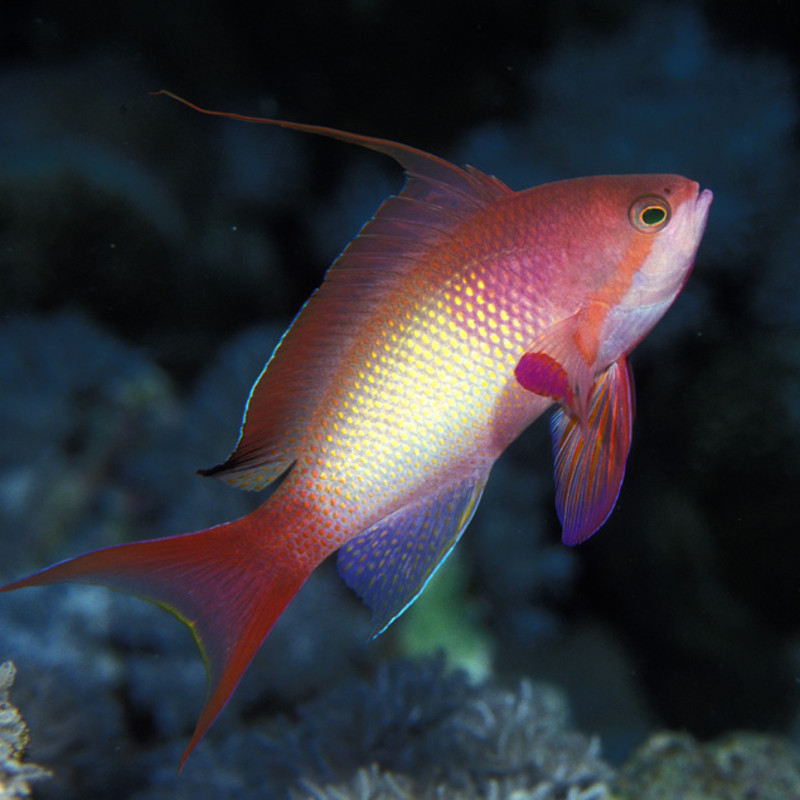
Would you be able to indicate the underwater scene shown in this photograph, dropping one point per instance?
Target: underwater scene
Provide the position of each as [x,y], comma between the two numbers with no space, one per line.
[151,259]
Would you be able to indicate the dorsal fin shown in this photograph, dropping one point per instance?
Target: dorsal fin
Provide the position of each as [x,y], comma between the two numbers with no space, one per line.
[438,197]
[429,178]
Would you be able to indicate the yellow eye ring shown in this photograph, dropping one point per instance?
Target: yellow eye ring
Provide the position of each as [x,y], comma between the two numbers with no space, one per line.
[649,213]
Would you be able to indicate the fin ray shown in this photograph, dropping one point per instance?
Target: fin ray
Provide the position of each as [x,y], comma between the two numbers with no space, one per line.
[590,459]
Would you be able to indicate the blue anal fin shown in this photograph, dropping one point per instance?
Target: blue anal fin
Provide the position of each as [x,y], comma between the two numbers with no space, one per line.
[389,564]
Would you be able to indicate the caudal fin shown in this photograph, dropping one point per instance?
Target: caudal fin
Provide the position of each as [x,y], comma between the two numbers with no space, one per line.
[227,583]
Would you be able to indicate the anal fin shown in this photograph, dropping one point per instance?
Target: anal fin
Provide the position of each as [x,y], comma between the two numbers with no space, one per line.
[389,564]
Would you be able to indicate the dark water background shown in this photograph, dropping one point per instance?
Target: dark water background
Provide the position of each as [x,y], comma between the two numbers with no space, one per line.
[150,258]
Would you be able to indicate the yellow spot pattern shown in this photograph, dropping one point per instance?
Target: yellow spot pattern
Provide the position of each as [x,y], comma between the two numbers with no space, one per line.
[424,391]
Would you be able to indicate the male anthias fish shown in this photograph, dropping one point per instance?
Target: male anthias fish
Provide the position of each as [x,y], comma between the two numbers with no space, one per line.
[461,312]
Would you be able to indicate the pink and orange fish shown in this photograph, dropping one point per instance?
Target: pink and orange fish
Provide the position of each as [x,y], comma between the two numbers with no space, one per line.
[461,312]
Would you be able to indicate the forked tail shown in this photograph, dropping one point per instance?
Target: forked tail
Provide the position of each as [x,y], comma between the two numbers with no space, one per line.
[228,584]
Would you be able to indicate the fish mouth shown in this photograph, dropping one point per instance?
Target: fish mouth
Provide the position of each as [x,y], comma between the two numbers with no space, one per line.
[704,198]
[702,204]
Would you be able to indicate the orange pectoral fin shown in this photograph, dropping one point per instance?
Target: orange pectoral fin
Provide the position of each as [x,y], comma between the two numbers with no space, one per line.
[590,459]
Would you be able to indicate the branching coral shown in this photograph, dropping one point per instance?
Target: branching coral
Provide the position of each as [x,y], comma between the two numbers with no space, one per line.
[493,745]
[415,731]
[16,774]
[434,735]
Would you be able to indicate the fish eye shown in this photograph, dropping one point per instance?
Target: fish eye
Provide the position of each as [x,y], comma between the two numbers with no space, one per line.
[649,213]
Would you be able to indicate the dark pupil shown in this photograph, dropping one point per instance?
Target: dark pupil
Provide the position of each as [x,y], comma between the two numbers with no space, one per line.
[653,215]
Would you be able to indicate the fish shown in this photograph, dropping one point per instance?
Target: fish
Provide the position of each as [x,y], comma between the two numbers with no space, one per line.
[461,312]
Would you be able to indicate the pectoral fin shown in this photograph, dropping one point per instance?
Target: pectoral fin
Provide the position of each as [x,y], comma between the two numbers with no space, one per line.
[555,367]
[590,459]
[542,374]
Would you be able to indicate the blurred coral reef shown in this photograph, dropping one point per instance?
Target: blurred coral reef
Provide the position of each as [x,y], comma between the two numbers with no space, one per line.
[151,258]
[739,766]
[415,730]
[418,731]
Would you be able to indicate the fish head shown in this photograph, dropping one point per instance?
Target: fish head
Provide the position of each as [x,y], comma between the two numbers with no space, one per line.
[618,250]
[666,218]
[673,217]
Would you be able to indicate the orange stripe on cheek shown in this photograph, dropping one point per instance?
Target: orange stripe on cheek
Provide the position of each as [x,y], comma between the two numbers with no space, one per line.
[621,279]
[587,332]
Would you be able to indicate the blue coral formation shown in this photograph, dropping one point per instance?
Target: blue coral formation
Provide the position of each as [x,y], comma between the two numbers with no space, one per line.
[415,726]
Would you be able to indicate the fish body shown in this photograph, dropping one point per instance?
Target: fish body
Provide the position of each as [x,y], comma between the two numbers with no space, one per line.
[460,314]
